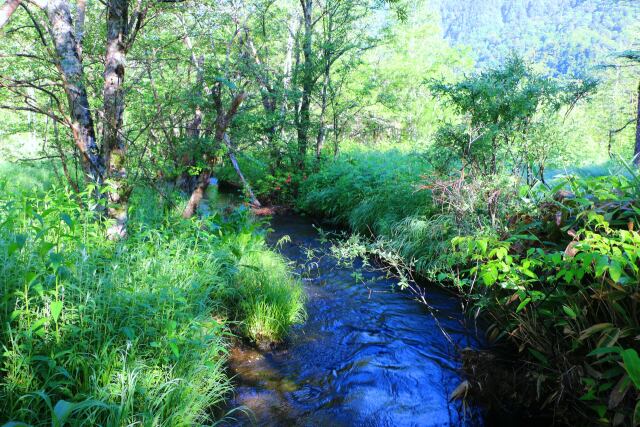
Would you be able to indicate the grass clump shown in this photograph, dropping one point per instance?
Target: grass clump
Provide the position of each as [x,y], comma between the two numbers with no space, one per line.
[96,332]
[271,300]
[262,292]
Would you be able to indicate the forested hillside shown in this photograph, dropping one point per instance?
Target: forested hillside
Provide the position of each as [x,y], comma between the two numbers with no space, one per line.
[567,36]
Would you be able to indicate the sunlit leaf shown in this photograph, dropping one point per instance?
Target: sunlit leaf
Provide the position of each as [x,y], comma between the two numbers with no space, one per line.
[631,363]
[56,309]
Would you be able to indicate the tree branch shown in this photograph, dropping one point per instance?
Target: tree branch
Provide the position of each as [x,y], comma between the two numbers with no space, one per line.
[35,24]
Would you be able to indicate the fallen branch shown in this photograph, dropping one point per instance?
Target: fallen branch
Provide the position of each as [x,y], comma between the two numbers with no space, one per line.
[236,166]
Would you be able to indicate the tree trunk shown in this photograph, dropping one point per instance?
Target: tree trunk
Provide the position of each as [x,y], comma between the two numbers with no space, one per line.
[186,181]
[327,61]
[286,87]
[636,151]
[307,83]
[267,94]
[114,145]
[223,120]
[7,10]
[322,129]
[71,68]
[197,195]
[286,71]
[81,9]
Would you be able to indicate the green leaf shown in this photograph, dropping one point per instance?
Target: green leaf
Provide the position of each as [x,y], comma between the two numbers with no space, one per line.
[56,309]
[45,247]
[541,357]
[18,243]
[61,411]
[170,327]
[569,311]
[489,275]
[631,363]
[37,326]
[174,349]
[30,277]
[615,271]
[67,220]
[602,262]
[529,273]
[128,332]
[482,244]
[601,410]
[523,304]
[604,350]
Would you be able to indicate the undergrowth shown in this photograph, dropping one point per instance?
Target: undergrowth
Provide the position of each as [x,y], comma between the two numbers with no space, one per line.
[370,191]
[135,332]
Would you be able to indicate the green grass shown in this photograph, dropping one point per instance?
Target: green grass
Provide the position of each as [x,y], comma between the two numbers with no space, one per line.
[368,190]
[136,332]
[271,300]
[19,175]
[384,194]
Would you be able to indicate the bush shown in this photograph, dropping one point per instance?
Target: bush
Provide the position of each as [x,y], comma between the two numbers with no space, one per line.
[562,286]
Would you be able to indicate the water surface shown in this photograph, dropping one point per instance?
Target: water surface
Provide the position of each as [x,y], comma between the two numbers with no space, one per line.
[368,354]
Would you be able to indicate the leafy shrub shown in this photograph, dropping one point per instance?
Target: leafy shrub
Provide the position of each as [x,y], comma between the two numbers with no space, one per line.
[568,299]
[509,119]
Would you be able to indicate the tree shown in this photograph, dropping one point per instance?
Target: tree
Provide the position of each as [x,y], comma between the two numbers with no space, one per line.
[502,107]
[634,57]
[340,37]
[100,161]
[303,115]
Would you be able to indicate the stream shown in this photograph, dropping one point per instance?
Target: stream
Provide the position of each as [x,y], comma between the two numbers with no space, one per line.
[367,355]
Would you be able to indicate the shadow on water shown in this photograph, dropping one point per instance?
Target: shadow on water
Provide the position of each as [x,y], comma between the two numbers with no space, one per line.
[368,355]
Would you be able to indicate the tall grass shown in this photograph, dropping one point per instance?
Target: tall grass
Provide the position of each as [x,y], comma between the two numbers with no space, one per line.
[384,194]
[270,300]
[368,190]
[130,333]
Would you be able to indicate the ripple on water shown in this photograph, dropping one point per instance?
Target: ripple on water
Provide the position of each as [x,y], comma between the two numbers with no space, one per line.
[367,355]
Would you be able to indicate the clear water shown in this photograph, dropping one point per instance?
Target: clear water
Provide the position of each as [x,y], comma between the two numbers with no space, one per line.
[368,354]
